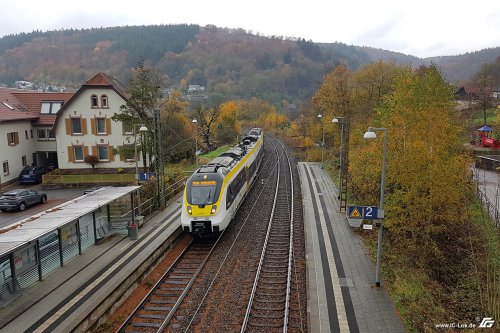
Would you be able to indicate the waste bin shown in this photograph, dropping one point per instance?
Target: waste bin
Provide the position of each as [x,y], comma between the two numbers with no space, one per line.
[133,231]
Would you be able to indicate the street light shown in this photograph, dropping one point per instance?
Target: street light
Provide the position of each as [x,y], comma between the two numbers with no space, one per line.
[320,116]
[370,134]
[195,122]
[336,120]
[142,129]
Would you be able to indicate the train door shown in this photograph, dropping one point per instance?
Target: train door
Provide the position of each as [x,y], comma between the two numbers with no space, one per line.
[247,175]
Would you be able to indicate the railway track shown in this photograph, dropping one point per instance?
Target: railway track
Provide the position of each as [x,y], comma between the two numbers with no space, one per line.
[269,304]
[159,306]
[220,294]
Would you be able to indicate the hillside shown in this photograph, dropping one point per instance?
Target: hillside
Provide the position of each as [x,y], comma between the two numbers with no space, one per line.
[230,62]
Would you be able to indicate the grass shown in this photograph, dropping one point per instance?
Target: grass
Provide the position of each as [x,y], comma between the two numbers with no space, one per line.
[491,118]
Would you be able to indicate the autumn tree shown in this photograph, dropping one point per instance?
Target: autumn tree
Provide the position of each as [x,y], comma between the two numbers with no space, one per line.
[427,179]
[227,127]
[334,98]
[177,131]
[484,82]
[143,97]
[206,117]
[274,121]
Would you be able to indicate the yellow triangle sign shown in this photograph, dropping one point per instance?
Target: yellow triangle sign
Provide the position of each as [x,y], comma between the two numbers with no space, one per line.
[355,213]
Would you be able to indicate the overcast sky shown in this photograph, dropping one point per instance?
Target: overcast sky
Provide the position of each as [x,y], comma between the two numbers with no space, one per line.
[421,28]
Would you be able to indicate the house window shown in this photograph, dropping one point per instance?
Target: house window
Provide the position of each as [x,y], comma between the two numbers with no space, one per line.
[76,125]
[42,135]
[129,152]
[94,101]
[101,125]
[128,128]
[23,160]
[26,134]
[12,138]
[78,153]
[5,168]
[50,107]
[102,153]
[104,101]
[51,135]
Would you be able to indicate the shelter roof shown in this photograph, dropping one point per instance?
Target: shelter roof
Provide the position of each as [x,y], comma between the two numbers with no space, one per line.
[36,226]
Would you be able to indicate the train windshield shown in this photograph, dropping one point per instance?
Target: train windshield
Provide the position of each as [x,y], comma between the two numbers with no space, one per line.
[203,192]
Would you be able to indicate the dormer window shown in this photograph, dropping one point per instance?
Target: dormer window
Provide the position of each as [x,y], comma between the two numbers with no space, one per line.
[50,107]
[94,101]
[104,101]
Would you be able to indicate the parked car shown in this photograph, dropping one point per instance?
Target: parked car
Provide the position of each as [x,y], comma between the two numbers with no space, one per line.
[20,199]
[31,174]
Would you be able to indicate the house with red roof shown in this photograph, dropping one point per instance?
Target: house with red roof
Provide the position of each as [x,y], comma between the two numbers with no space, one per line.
[61,129]
[22,121]
[83,126]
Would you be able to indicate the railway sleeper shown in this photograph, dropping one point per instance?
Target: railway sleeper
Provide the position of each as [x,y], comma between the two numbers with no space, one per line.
[173,275]
[176,282]
[147,324]
[267,316]
[274,270]
[266,308]
[157,308]
[274,282]
[184,271]
[271,288]
[166,301]
[157,301]
[151,316]
[266,324]
[264,299]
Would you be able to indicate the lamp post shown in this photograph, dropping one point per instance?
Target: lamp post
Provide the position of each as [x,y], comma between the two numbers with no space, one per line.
[370,134]
[195,122]
[142,129]
[320,116]
[336,120]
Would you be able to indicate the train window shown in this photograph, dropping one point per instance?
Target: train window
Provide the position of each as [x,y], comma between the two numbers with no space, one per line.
[203,193]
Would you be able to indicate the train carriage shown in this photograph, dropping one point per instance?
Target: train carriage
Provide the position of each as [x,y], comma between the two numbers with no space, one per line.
[215,191]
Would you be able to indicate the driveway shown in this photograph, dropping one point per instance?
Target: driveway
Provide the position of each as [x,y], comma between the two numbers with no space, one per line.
[54,198]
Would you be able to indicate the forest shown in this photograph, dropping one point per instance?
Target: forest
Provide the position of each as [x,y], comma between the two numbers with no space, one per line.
[230,62]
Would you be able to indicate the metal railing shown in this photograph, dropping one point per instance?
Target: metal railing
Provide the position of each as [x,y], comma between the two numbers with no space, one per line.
[492,208]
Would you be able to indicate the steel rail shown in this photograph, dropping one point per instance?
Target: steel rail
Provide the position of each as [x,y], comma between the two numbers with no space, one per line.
[265,249]
[162,281]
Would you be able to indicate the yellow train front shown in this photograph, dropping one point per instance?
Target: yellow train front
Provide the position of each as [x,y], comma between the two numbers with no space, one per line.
[215,191]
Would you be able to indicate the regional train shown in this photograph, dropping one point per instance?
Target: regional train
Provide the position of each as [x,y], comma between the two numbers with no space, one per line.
[215,191]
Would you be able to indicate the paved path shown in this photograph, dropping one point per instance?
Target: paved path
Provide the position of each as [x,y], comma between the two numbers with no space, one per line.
[341,292]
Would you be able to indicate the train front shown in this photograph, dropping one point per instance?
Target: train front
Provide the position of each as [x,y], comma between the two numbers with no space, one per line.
[201,211]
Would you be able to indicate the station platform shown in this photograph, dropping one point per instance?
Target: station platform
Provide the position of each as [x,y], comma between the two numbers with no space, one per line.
[88,279]
[342,296]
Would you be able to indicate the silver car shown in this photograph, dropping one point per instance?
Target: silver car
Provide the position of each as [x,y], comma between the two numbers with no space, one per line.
[20,199]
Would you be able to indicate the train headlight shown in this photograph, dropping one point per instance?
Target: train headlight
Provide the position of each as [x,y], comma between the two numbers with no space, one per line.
[214,209]
[190,210]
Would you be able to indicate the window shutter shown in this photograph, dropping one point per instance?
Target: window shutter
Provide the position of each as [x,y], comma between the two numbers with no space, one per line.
[67,121]
[108,126]
[122,153]
[85,151]
[84,125]
[94,150]
[16,138]
[111,155]
[93,128]
[71,154]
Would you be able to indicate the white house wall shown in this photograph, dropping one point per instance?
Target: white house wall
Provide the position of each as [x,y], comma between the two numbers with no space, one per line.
[13,154]
[81,107]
